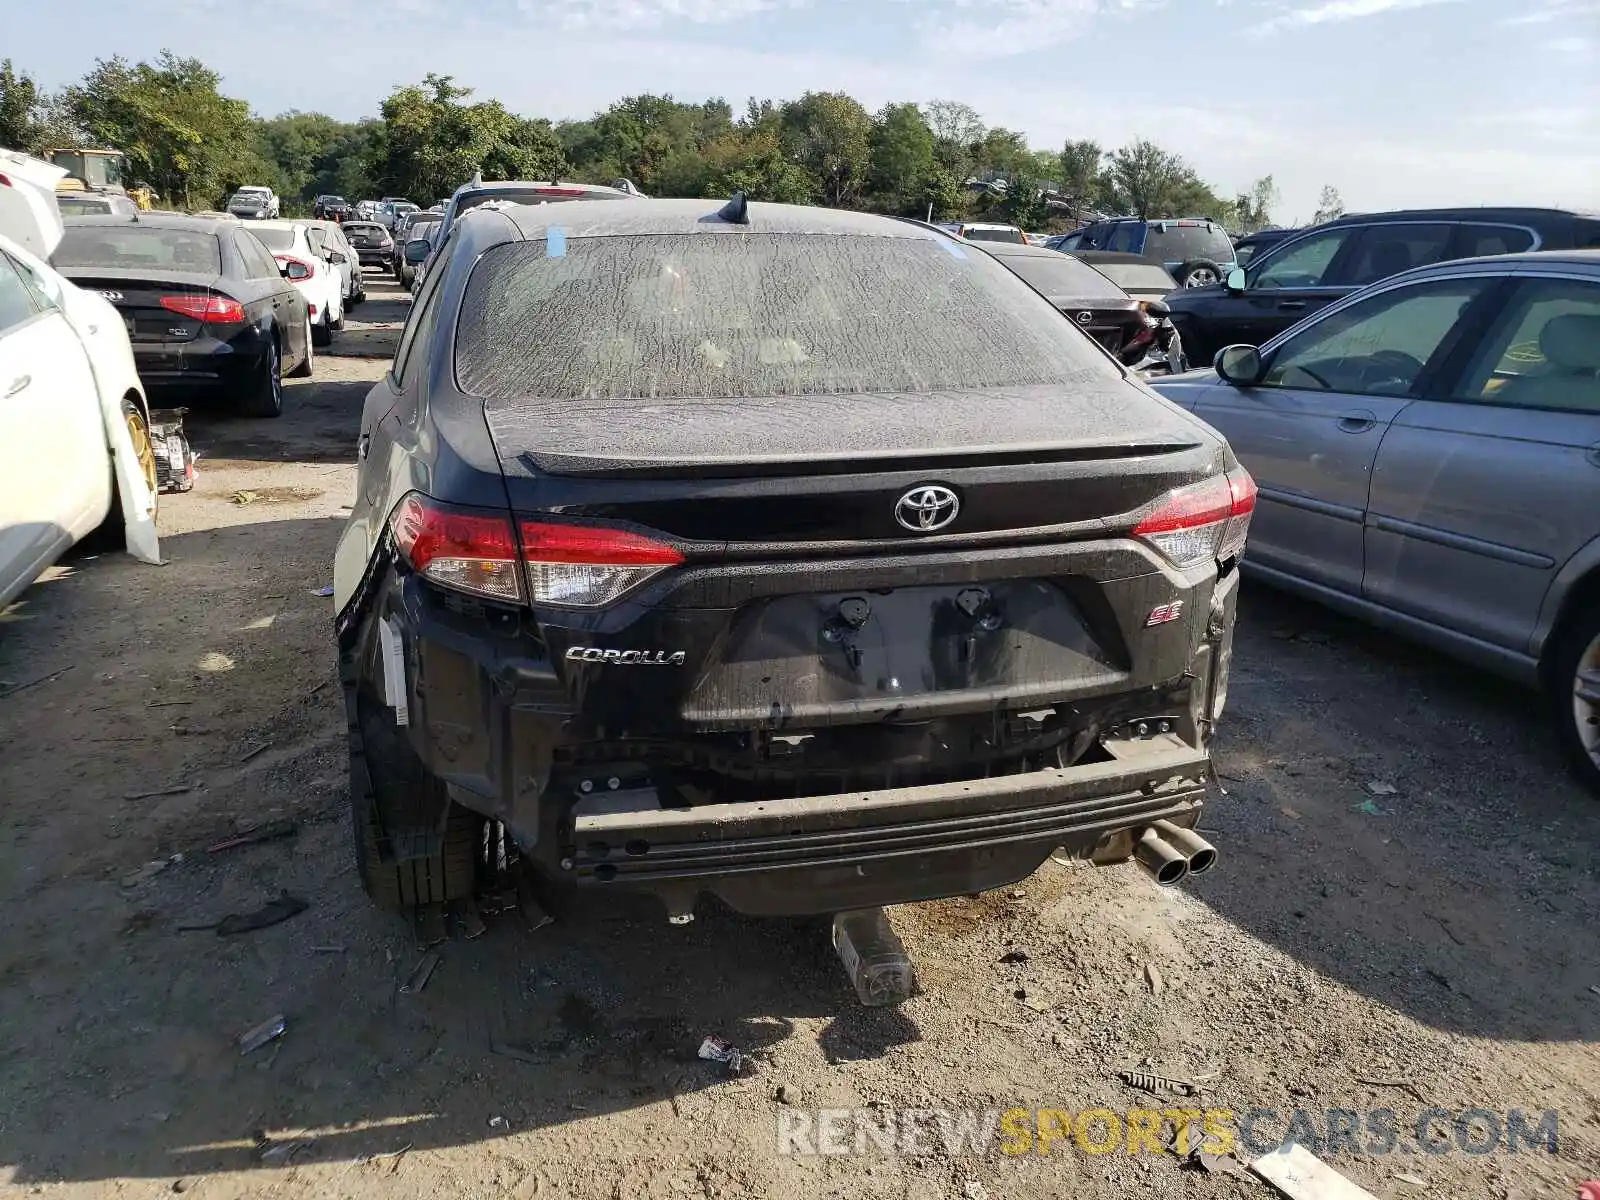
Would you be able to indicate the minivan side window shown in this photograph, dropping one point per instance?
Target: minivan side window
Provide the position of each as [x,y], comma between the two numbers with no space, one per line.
[1542,352]
[1303,263]
[1380,251]
[1376,347]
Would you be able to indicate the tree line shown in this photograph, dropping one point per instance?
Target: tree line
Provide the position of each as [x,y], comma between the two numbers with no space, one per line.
[193,146]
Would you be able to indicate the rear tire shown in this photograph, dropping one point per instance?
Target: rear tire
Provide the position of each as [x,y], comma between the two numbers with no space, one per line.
[386,775]
[321,333]
[303,371]
[110,533]
[1575,675]
[265,397]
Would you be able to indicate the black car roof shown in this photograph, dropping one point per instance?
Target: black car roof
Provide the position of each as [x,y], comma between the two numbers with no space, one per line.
[153,220]
[598,218]
[1453,214]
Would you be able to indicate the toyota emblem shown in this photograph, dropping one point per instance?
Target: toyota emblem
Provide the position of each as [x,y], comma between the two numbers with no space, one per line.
[1085,317]
[927,507]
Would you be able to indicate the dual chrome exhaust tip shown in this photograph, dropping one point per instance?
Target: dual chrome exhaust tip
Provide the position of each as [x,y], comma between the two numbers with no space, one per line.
[1170,852]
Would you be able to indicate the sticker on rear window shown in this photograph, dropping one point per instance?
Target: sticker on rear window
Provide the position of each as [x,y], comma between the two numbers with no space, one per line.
[555,242]
[954,250]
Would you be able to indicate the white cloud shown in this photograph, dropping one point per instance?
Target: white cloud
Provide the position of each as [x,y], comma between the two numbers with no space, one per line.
[980,29]
[642,15]
[1326,12]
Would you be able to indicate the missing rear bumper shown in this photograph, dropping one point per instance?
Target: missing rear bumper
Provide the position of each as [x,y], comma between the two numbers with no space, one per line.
[818,854]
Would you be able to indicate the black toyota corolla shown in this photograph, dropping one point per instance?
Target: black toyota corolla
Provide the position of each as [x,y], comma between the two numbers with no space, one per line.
[785,554]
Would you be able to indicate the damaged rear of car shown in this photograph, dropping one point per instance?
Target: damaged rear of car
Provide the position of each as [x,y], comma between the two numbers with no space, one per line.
[800,561]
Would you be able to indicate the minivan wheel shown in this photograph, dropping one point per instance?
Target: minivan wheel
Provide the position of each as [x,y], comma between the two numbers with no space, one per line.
[1575,687]
[1199,274]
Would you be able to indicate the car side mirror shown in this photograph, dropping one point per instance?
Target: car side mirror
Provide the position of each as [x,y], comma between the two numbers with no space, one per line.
[1157,308]
[337,258]
[1235,281]
[416,251]
[294,272]
[1239,365]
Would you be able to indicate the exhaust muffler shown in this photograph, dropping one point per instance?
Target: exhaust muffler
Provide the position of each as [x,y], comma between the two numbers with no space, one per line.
[1161,858]
[1202,855]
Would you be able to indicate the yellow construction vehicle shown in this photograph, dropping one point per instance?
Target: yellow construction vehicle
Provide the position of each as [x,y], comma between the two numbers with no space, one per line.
[96,171]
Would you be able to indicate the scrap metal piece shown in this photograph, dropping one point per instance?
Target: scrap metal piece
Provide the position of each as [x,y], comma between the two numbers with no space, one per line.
[428,920]
[468,918]
[269,1030]
[421,974]
[273,912]
[1301,1175]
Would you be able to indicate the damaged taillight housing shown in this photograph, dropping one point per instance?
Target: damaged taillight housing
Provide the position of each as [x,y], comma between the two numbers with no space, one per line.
[1206,520]
[575,566]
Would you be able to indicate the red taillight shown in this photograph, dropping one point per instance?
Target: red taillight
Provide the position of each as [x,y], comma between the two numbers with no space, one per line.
[1205,520]
[5,181]
[574,565]
[219,310]
[473,551]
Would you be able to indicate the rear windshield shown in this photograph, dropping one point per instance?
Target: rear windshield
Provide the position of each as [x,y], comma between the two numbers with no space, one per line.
[523,196]
[1186,243]
[363,228]
[279,241]
[134,249]
[1014,236]
[1137,277]
[1057,275]
[736,315]
[248,198]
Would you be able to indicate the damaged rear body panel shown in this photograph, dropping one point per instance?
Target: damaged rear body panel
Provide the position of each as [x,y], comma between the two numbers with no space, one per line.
[820,622]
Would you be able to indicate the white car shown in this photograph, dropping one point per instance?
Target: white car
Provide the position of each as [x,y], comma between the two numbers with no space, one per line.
[75,450]
[317,279]
[329,241]
[255,203]
[28,212]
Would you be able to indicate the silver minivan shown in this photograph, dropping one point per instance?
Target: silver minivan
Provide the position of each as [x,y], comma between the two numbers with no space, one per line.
[1428,457]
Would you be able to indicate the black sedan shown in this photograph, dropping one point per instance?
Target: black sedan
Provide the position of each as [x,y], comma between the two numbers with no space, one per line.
[372,243]
[1132,329]
[209,313]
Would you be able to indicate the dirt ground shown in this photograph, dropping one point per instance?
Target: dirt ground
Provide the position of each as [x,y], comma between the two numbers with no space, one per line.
[1431,947]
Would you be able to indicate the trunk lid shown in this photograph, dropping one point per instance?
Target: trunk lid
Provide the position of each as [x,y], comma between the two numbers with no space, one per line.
[137,296]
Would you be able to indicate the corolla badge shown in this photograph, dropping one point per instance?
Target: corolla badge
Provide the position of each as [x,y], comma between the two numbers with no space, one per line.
[627,658]
[927,507]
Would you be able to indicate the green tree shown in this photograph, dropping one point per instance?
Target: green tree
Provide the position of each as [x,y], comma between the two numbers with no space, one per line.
[830,135]
[1152,183]
[1330,206]
[1253,209]
[1081,164]
[20,103]
[180,133]
[902,157]
[1003,152]
[431,142]
[957,130]
[753,162]
[942,196]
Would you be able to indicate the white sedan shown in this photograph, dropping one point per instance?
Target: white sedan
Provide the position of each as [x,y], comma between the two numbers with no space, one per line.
[75,450]
[317,279]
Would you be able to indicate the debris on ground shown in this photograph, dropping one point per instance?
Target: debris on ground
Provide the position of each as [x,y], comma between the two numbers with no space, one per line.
[873,956]
[421,974]
[1413,1180]
[1146,1081]
[428,924]
[1152,978]
[1404,1085]
[249,754]
[1187,1143]
[1370,809]
[149,871]
[520,1053]
[174,458]
[269,1030]
[274,912]
[25,685]
[268,832]
[325,590]
[499,1123]
[1379,788]
[243,497]
[1301,1175]
[328,949]
[176,789]
[973,1190]
[1014,956]
[734,1060]
[280,1154]
[467,918]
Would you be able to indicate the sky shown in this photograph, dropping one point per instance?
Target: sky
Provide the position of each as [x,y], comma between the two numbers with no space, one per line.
[1397,103]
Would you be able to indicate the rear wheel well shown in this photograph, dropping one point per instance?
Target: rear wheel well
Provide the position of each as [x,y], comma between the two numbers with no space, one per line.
[1582,597]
